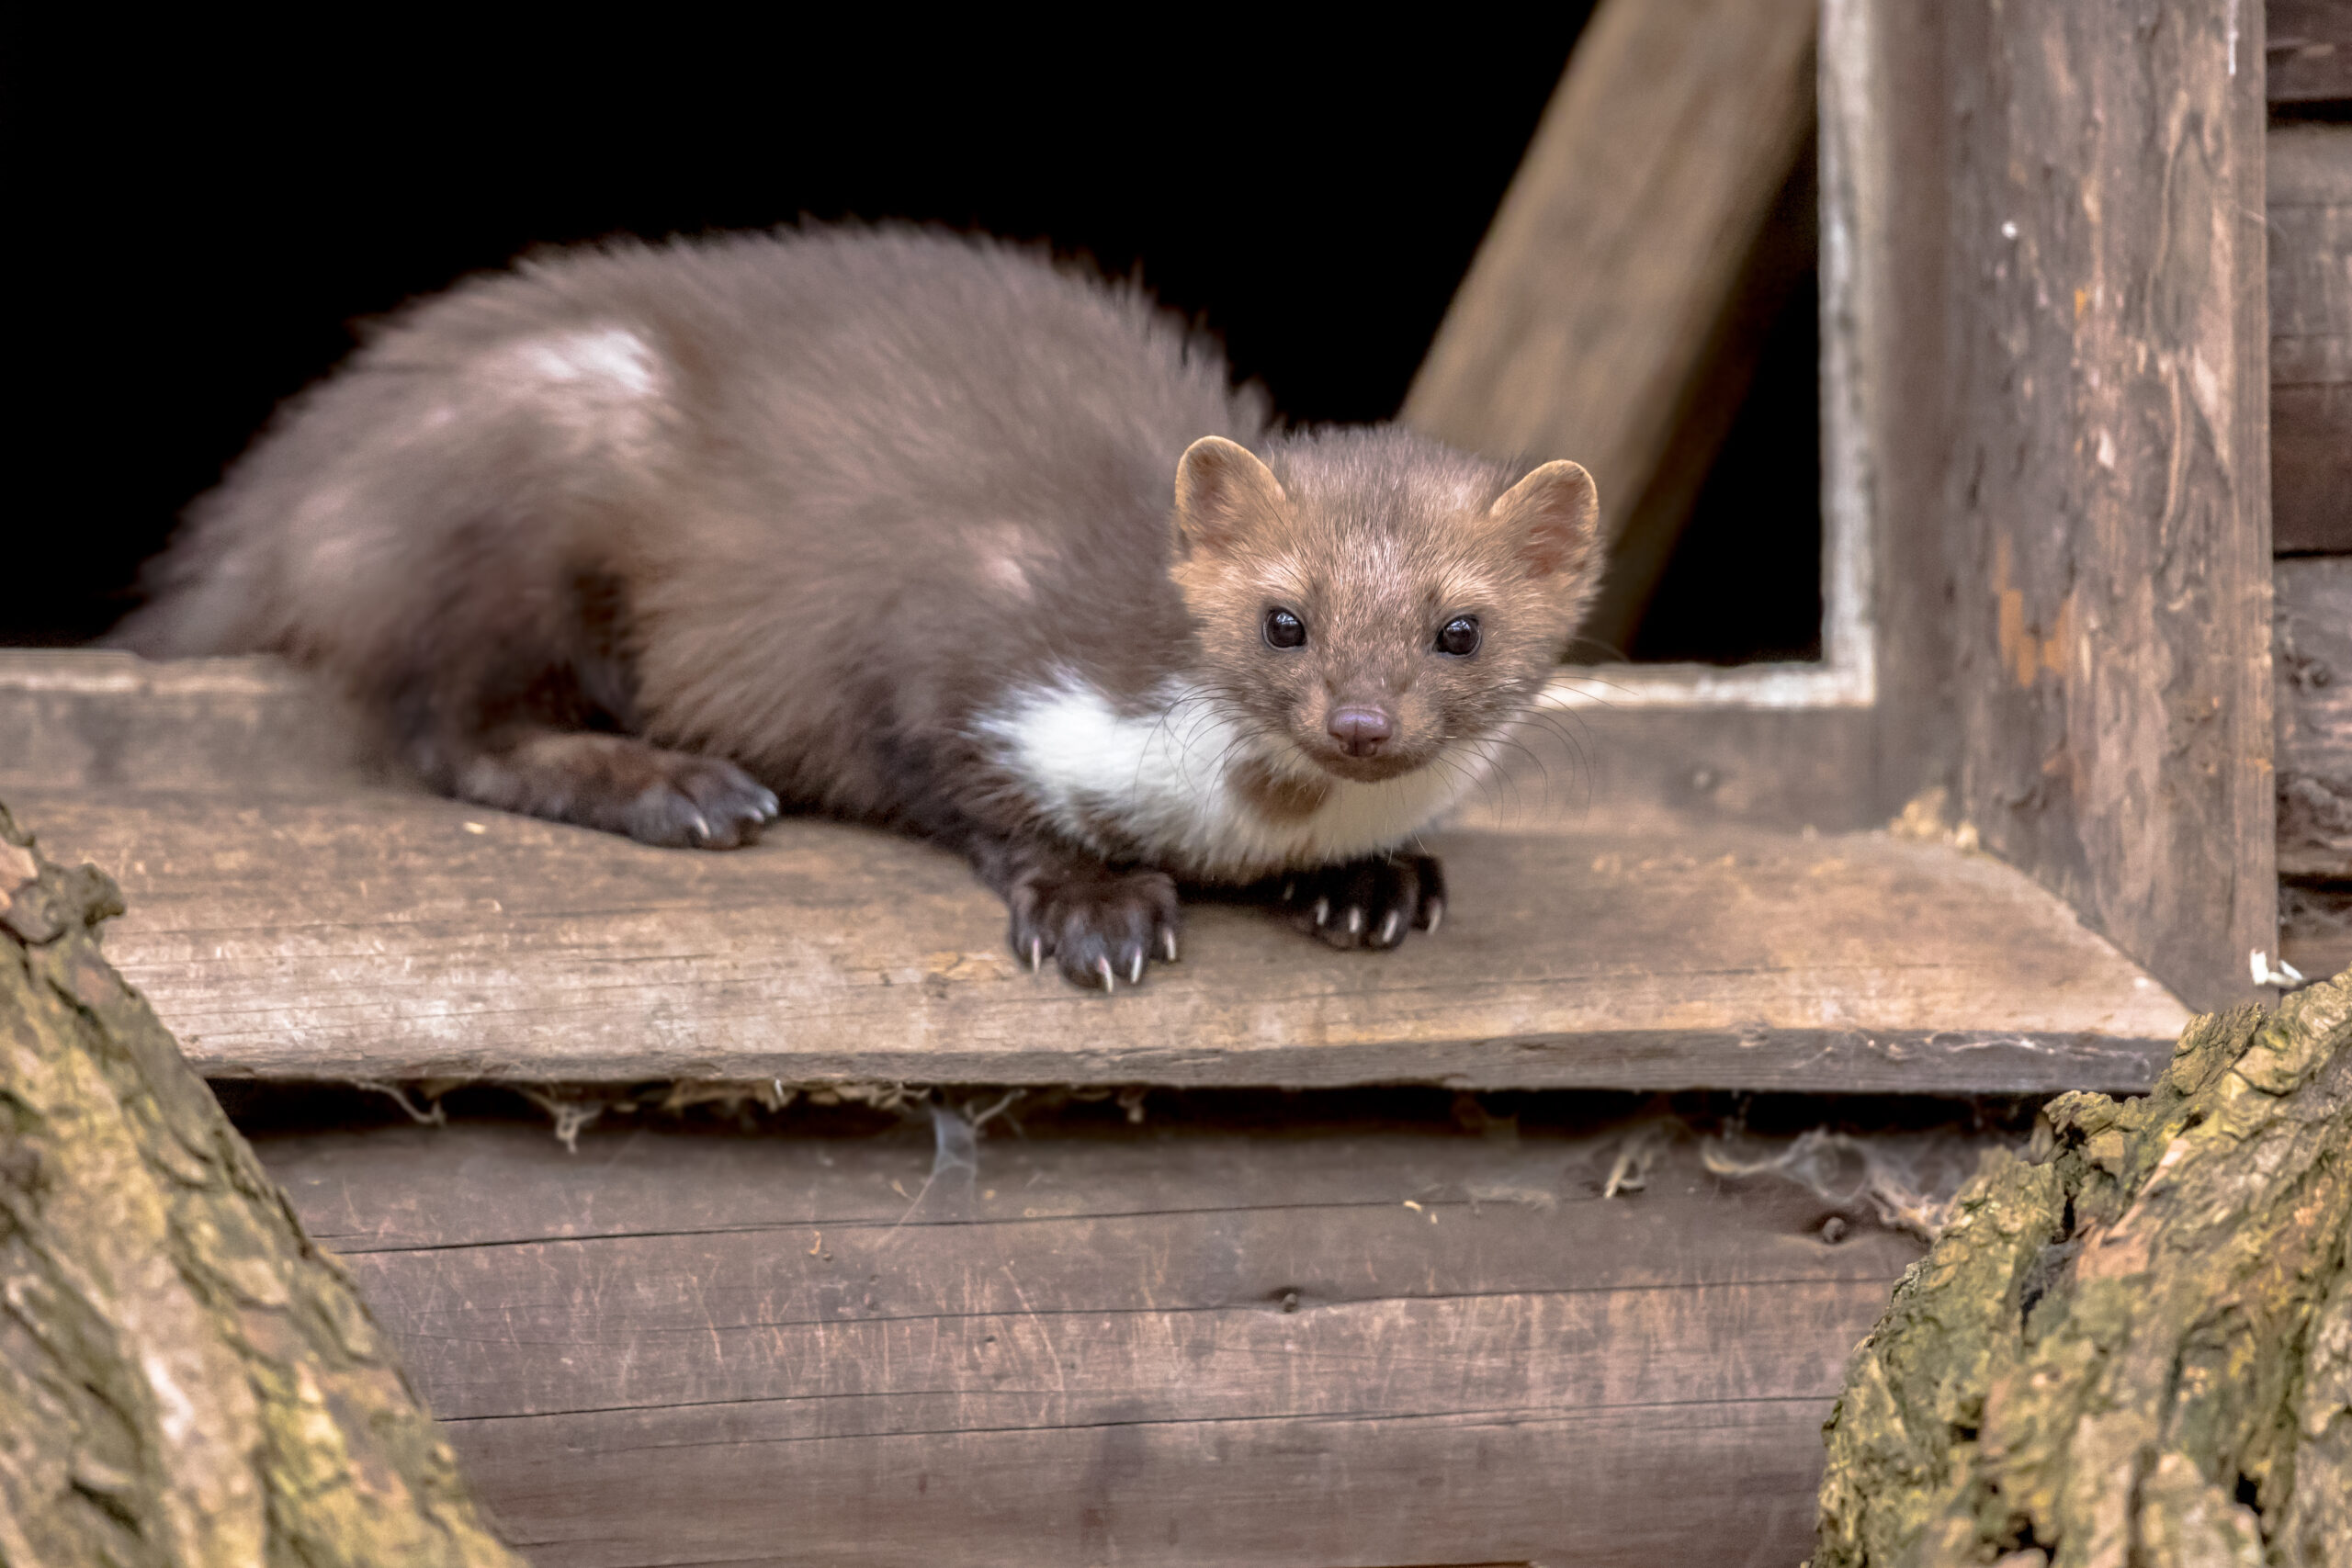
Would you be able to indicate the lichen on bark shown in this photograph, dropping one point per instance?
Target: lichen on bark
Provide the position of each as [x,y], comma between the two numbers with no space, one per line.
[2132,1346]
[185,1379]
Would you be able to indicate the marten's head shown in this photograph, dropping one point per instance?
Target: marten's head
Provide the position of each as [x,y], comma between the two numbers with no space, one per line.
[1370,600]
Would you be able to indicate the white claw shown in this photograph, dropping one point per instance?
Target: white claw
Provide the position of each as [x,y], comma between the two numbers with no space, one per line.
[1168,945]
[1389,927]
[1322,911]
[1355,922]
[1135,970]
[1036,953]
[1103,966]
[1437,913]
[702,827]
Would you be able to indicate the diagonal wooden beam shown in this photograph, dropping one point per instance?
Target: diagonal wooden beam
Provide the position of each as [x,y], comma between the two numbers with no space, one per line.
[1589,310]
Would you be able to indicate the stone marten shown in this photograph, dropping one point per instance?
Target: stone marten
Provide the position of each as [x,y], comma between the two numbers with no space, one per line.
[912,528]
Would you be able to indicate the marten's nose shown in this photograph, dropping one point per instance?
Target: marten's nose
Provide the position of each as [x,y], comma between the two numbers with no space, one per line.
[1360,729]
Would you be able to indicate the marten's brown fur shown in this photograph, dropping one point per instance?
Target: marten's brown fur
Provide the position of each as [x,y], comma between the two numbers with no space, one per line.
[656,540]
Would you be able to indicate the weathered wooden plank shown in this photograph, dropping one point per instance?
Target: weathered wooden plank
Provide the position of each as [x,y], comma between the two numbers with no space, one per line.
[1709,1484]
[840,1317]
[2310,221]
[387,936]
[2309,51]
[676,1348]
[2314,659]
[415,1189]
[79,719]
[2112,483]
[1587,764]
[1589,307]
[97,719]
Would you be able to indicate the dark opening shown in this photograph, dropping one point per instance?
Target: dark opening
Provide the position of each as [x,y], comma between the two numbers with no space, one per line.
[207,207]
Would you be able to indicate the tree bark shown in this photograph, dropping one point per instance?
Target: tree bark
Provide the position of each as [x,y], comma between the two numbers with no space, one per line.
[184,1378]
[2135,1346]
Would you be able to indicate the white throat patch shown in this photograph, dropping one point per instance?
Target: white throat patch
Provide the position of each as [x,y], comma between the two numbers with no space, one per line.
[1165,783]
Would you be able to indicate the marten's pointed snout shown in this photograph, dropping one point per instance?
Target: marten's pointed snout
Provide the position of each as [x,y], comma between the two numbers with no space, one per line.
[1361,729]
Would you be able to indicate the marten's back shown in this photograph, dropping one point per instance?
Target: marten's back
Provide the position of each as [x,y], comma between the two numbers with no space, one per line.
[811,471]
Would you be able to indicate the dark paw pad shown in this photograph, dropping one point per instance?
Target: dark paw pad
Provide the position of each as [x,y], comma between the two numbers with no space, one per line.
[1103,926]
[1367,903]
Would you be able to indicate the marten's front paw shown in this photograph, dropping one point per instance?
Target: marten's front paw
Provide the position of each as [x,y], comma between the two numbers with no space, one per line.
[1369,902]
[1100,926]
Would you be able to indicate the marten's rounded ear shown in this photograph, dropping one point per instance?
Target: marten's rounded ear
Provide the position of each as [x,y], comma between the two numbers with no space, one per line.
[1223,494]
[1553,519]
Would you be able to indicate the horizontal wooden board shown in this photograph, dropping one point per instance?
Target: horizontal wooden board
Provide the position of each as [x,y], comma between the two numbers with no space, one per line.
[2310,221]
[1714,1482]
[1367,1345]
[1636,746]
[384,935]
[2313,654]
[81,718]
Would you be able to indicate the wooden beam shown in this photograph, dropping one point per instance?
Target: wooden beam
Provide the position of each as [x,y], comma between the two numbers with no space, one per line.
[2314,659]
[384,935]
[1589,308]
[2110,484]
[1169,1344]
[2310,221]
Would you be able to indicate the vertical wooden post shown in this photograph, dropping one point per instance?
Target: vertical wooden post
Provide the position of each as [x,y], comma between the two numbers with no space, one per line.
[2110,476]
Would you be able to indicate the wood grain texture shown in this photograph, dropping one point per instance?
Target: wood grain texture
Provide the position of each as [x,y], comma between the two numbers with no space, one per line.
[2313,649]
[2310,221]
[2309,51]
[1371,1346]
[380,936]
[1590,306]
[2110,484]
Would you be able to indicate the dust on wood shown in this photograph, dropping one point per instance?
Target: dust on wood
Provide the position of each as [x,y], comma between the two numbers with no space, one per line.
[184,1378]
[2137,1347]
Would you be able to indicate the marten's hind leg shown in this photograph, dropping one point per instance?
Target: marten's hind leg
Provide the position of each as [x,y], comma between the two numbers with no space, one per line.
[622,784]
[528,706]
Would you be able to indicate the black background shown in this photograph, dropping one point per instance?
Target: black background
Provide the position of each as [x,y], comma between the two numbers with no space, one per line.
[202,209]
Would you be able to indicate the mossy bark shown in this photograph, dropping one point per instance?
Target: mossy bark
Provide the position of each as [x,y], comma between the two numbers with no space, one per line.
[2131,1348]
[184,1378]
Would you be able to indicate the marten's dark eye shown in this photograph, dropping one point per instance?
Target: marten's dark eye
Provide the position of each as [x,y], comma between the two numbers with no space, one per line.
[1459,637]
[1284,629]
